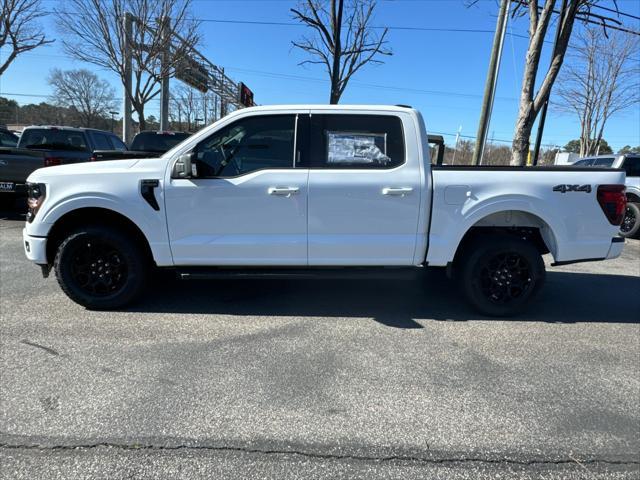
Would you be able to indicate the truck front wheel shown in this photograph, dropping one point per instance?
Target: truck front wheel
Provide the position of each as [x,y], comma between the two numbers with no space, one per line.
[500,275]
[100,268]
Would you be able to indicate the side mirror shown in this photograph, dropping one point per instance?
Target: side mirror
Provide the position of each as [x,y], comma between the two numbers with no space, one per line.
[185,166]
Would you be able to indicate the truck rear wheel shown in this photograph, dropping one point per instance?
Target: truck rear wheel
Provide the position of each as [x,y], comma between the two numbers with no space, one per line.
[631,222]
[500,275]
[100,268]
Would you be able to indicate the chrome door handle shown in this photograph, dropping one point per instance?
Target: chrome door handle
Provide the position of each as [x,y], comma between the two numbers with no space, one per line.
[283,191]
[402,191]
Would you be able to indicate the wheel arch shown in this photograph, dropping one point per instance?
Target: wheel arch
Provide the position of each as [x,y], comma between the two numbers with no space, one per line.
[633,197]
[517,223]
[94,216]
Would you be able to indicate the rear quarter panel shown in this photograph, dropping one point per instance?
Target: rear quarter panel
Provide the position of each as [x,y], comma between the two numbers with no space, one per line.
[575,226]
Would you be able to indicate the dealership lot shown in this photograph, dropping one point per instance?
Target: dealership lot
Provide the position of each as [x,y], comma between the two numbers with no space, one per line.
[390,378]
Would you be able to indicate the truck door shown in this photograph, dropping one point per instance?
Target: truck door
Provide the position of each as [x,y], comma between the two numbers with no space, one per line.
[364,190]
[248,204]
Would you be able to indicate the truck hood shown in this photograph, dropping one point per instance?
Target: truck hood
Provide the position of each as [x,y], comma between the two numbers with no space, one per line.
[90,168]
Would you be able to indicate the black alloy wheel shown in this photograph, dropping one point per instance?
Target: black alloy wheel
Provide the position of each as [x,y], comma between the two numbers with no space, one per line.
[101,267]
[505,277]
[500,274]
[98,267]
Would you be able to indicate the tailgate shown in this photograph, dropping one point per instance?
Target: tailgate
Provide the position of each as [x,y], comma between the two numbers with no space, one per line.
[16,164]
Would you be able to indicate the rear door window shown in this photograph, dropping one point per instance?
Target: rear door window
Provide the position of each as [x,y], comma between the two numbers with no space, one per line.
[117,144]
[53,139]
[585,162]
[101,141]
[8,139]
[356,141]
[603,162]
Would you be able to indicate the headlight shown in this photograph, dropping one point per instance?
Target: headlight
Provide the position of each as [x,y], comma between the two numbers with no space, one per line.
[37,192]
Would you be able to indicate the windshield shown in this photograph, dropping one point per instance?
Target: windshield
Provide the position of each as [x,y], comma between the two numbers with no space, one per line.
[53,139]
[157,142]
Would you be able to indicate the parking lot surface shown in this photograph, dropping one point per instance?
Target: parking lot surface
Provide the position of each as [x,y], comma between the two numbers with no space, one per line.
[376,378]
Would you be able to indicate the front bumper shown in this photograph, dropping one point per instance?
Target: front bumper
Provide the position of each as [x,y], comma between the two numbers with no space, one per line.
[35,248]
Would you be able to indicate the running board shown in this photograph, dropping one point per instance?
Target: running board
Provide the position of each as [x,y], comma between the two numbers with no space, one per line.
[213,273]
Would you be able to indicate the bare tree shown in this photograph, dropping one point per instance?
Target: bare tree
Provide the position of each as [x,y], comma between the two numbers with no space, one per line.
[91,96]
[95,33]
[540,17]
[186,106]
[19,28]
[531,102]
[603,79]
[343,39]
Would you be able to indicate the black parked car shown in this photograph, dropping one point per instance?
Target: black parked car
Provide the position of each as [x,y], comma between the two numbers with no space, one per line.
[46,146]
[8,138]
[146,144]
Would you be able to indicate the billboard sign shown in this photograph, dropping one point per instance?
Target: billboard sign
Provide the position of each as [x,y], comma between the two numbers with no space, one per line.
[193,74]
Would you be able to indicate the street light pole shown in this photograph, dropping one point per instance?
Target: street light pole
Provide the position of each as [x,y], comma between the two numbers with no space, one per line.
[112,123]
[164,70]
[492,80]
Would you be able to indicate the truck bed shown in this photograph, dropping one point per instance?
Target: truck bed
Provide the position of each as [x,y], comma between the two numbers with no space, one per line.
[574,226]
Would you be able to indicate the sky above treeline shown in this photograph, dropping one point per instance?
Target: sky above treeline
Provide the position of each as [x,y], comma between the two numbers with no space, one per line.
[439,64]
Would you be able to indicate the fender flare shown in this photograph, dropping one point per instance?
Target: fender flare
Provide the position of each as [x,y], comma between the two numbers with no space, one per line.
[552,229]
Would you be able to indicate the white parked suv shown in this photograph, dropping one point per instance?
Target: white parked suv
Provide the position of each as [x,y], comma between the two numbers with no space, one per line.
[630,163]
[311,190]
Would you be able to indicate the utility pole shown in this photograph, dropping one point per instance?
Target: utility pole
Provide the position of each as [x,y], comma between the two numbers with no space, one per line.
[543,112]
[164,70]
[112,122]
[126,100]
[453,162]
[492,80]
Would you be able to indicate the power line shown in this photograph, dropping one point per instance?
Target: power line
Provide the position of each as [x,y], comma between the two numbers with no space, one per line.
[295,24]
[616,11]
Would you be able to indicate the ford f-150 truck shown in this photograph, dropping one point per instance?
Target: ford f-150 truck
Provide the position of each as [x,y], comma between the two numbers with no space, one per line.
[312,190]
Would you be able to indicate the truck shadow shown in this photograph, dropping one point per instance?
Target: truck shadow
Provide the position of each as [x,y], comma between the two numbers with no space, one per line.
[405,303]
[13,209]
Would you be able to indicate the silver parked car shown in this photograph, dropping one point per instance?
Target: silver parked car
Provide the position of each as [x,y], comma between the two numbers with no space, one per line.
[630,162]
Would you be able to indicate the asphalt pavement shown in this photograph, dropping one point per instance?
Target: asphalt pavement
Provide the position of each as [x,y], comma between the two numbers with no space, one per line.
[371,378]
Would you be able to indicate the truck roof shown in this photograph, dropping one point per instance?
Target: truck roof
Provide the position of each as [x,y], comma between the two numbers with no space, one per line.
[62,127]
[340,107]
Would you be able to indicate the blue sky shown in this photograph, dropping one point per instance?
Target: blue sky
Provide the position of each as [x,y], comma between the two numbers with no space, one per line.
[440,72]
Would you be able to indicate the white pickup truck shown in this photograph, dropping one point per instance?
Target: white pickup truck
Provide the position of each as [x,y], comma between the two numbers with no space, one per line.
[313,190]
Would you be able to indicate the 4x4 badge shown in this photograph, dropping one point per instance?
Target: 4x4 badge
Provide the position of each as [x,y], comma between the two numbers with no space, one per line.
[572,188]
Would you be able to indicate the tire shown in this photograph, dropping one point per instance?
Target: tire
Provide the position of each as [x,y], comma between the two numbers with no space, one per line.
[101,268]
[631,223]
[500,275]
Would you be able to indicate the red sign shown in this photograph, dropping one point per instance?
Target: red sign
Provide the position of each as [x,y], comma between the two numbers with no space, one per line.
[246,96]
